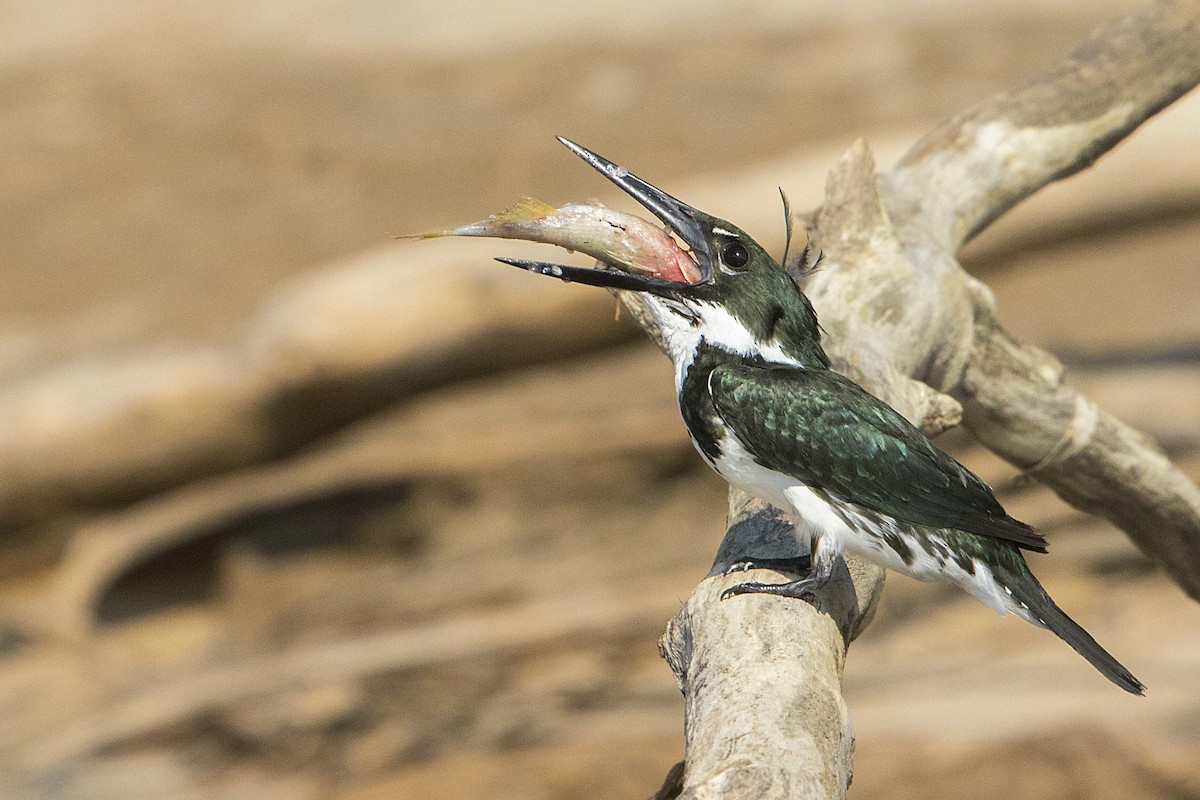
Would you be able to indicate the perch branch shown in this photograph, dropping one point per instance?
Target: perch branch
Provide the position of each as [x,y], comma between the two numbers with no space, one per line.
[748,668]
[745,667]
[1015,403]
[897,307]
[969,170]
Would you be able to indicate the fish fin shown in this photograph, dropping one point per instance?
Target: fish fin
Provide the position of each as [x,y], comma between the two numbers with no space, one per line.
[525,209]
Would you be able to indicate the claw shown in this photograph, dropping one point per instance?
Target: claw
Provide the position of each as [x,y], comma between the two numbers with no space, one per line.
[797,565]
[803,589]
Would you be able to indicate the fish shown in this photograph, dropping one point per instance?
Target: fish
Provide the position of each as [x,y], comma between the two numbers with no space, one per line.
[613,237]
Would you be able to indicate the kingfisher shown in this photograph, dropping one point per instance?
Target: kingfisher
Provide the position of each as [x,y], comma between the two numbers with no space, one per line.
[764,409]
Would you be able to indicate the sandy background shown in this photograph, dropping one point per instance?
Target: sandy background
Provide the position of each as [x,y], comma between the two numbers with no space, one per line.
[293,510]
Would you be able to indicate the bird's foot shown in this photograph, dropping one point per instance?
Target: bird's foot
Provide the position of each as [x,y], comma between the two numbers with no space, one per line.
[803,589]
[797,565]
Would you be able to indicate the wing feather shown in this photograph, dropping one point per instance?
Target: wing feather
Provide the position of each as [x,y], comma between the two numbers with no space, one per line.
[831,434]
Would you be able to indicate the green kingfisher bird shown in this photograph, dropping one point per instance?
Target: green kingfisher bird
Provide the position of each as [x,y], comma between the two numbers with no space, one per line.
[764,409]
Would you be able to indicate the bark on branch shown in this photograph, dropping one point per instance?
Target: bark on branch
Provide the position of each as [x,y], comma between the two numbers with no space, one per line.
[901,316]
[969,170]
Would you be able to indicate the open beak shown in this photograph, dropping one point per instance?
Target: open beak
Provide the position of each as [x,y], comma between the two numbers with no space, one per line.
[682,219]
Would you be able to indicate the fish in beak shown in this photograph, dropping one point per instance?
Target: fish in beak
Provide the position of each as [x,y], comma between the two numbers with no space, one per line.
[680,218]
[642,256]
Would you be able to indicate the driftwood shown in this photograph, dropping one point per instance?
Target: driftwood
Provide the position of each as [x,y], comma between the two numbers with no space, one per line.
[325,351]
[329,347]
[447,433]
[98,703]
[902,316]
[274,677]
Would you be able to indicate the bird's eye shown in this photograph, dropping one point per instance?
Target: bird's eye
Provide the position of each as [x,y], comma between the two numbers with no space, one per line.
[735,255]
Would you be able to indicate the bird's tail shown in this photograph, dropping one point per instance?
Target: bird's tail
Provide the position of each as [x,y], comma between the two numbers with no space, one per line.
[1026,589]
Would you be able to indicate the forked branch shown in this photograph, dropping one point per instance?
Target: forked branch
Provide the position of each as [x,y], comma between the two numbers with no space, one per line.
[902,316]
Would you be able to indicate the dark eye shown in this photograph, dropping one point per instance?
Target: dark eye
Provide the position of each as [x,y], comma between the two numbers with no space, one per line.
[735,255]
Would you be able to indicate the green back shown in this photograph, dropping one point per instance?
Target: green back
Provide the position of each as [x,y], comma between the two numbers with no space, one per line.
[829,433]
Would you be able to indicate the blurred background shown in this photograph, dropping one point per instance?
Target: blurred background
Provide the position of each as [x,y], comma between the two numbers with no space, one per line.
[292,510]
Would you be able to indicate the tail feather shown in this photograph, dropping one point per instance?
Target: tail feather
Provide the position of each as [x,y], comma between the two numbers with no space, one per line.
[1030,593]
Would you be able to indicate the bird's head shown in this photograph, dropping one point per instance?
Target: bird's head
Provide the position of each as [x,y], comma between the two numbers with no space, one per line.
[743,300]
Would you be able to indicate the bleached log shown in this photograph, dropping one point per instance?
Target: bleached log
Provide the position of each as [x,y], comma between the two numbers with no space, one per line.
[327,349]
[897,307]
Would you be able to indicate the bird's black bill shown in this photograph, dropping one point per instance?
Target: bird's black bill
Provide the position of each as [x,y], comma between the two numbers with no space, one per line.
[675,214]
[599,277]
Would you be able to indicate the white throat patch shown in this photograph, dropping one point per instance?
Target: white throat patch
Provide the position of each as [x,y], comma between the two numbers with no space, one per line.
[717,327]
[722,329]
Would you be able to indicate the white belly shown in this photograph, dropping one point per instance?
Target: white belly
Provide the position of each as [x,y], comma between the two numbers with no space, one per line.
[847,530]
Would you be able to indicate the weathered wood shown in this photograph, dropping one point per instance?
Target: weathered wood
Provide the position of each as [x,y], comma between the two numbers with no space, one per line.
[757,675]
[897,307]
[324,351]
[969,170]
[455,431]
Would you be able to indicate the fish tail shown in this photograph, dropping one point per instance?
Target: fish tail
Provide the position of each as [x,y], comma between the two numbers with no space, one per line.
[426,235]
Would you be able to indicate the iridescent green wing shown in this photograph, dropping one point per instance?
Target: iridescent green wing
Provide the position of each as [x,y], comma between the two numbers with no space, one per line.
[831,434]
